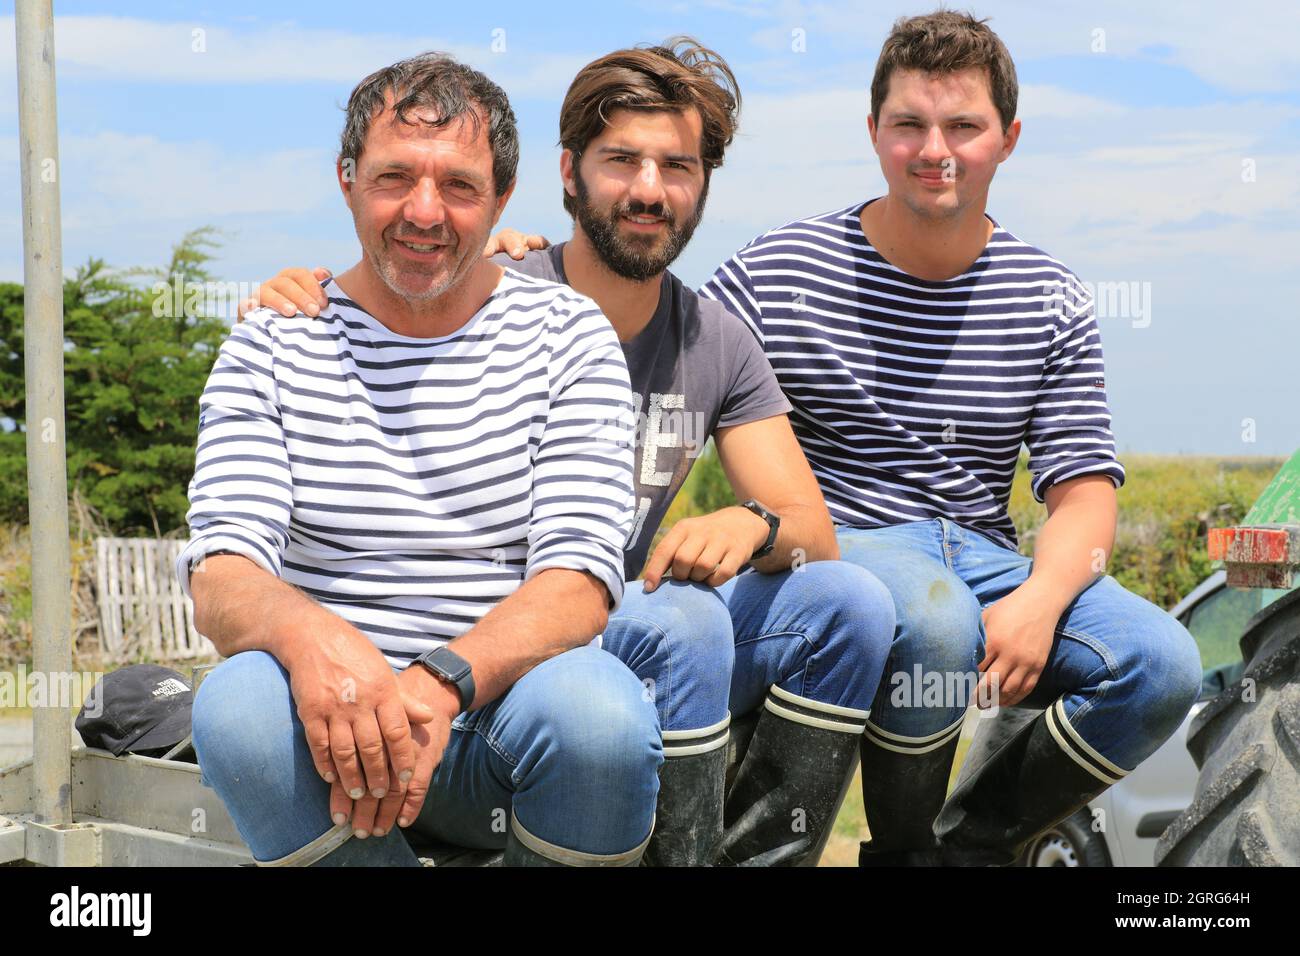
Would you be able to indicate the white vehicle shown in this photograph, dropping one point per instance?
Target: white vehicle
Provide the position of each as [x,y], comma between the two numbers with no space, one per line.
[1121,827]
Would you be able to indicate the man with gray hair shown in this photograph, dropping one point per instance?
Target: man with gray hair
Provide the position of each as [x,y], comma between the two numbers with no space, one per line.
[409,517]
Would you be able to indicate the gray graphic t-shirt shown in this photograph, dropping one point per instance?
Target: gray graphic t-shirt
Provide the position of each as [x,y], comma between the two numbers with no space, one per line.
[695,368]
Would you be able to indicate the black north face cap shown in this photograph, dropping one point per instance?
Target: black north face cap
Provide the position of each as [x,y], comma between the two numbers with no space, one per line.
[138,708]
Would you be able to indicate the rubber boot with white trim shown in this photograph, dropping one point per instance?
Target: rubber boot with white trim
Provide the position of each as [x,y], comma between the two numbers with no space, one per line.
[528,849]
[904,782]
[688,816]
[1036,779]
[790,785]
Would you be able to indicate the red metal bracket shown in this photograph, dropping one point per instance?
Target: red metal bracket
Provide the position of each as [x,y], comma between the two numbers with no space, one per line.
[1256,557]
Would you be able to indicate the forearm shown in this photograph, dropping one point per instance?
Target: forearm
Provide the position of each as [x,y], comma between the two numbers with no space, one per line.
[1074,545]
[239,606]
[806,534]
[554,612]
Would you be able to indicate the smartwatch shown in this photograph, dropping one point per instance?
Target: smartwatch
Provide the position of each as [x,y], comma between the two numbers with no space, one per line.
[773,523]
[450,668]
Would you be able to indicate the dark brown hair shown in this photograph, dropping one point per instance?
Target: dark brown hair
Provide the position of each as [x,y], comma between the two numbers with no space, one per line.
[675,76]
[451,90]
[944,42]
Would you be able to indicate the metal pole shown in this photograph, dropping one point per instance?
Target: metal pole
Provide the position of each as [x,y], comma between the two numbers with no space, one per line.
[47,470]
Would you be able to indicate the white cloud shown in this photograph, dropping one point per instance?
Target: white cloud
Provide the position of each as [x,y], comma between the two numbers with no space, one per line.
[196,52]
[111,174]
[1247,46]
[1084,166]
[1040,101]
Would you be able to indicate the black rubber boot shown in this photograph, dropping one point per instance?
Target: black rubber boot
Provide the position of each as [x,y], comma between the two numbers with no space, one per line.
[688,815]
[1041,775]
[904,782]
[789,788]
[526,849]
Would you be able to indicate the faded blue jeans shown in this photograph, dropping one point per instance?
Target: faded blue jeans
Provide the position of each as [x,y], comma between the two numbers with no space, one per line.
[821,632]
[1122,672]
[572,750]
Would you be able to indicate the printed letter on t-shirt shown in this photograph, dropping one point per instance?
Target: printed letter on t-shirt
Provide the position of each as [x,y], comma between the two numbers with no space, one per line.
[654,440]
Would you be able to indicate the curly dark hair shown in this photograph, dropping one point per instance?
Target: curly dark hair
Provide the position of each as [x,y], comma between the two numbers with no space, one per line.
[451,90]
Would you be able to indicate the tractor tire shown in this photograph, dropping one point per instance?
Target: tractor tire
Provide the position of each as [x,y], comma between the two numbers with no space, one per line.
[1246,742]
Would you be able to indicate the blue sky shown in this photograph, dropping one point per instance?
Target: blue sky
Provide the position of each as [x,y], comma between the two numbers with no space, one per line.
[1160,149]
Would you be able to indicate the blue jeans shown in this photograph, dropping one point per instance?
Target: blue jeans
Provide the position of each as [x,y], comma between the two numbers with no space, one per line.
[821,632]
[1125,673]
[572,750]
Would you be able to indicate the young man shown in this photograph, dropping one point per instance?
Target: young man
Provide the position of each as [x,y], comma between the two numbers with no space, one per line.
[921,345]
[642,130]
[353,515]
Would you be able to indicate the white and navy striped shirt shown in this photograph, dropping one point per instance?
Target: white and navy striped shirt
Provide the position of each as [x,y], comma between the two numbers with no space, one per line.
[409,484]
[912,398]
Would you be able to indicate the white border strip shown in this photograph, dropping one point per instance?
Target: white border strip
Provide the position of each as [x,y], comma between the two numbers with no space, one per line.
[886,735]
[818,705]
[882,738]
[566,857]
[672,752]
[676,743]
[1068,749]
[317,849]
[1084,745]
[798,718]
[701,732]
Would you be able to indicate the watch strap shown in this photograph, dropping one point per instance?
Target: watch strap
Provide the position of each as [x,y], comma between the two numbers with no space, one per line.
[450,668]
[773,525]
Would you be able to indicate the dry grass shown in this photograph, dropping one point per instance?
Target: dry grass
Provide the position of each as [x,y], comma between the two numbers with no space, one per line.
[85,525]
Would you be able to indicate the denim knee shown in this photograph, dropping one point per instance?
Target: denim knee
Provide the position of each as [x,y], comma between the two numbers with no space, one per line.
[856,628]
[938,624]
[600,720]
[698,626]
[857,600]
[938,641]
[678,641]
[690,617]
[587,778]
[252,752]
[1160,666]
[237,712]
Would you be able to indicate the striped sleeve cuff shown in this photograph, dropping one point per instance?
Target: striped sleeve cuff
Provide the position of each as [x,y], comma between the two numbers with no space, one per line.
[1076,468]
[224,539]
[608,573]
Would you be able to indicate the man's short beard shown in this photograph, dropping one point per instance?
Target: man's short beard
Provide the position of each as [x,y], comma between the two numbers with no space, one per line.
[934,215]
[923,211]
[623,258]
[385,267]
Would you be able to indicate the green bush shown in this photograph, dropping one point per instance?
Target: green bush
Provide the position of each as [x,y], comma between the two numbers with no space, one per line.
[135,363]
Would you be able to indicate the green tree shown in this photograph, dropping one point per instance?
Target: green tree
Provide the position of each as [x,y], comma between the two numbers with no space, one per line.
[136,356]
[709,489]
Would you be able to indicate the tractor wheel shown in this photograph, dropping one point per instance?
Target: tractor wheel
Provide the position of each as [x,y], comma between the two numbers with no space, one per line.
[1246,743]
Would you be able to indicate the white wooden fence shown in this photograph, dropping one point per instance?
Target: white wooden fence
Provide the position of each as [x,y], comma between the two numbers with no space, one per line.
[141,605]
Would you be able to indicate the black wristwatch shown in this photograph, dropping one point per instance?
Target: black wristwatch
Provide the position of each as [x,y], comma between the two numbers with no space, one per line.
[773,523]
[450,668]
